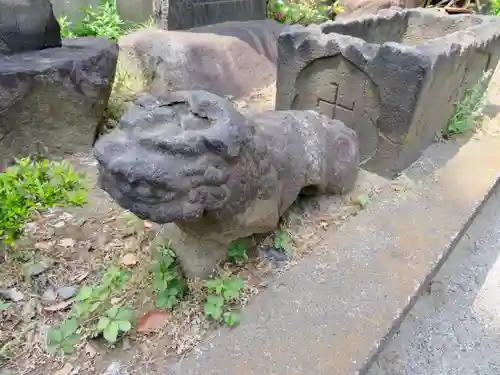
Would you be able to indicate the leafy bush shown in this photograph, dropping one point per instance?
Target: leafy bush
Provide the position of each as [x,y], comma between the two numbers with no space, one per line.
[103,21]
[31,186]
[302,11]
[495,7]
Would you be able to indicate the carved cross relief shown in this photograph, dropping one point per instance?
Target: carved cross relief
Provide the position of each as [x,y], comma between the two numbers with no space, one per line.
[338,105]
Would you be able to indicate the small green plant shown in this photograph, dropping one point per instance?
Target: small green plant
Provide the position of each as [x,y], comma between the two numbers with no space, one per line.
[468,109]
[65,27]
[238,253]
[4,305]
[302,12]
[115,320]
[64,337]
[31,186]
[223,294]
[495,8]
[169,282]
[363,200]
[282,240]
[93,314]
[102,21]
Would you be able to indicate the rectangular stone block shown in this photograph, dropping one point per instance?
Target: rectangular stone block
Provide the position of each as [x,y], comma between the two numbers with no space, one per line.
[394,77]
[185,14]
[52,101]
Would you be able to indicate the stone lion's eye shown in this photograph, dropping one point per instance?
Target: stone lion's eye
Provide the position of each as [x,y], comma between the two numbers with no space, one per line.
[143,189]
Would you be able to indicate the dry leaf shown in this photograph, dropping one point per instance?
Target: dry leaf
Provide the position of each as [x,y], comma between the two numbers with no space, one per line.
[323,225]
[67,242]
[90,351]
[152,320]
[59,306]
[80,276]
[66,370]
[129,259]
[44,245]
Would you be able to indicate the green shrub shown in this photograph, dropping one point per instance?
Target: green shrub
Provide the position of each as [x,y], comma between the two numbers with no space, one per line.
[303,12]
[495,7]
[103,21]
[30,186]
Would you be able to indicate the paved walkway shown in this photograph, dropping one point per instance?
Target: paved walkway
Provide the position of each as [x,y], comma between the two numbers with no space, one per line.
[454,329]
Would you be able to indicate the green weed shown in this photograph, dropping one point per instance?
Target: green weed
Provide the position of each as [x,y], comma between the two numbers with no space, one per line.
[282,240]
[93,313]
[468,109]
[223,294]
[31,186]
[4,305]
[169,282]
[114,321]
[64,337]
[238,253]
[302,11]
[102,21]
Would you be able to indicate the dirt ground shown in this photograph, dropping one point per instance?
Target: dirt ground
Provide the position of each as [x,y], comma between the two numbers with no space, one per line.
[70,248]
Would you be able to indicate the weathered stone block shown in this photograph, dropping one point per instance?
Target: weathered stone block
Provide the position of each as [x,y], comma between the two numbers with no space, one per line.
[53,100]
[392,77]
[192,160]
[185,14]
[203,60]
[27,25]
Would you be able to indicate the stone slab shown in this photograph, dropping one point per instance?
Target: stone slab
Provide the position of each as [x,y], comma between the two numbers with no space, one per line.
[183,15]
[27,25]
[52,101]
[261,35]
[183,60]
[332,312]
[393,77]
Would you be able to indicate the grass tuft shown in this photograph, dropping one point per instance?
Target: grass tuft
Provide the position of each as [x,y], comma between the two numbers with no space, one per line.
[469,108]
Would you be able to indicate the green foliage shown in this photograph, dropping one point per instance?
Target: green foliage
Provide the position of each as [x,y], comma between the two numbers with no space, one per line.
[4,305]
[64,337]
[495,8]
[223,293]
[282,240]
[302,11]
[103,21]
[468,109]
[238,253]
[363,200]
[115,320]
[169,282]
[65,27]
[31,186]
[92,314]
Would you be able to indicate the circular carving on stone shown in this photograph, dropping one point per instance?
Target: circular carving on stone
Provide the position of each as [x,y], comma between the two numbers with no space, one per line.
[338,89]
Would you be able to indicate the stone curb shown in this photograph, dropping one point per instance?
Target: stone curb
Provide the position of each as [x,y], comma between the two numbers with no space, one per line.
[333,312]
